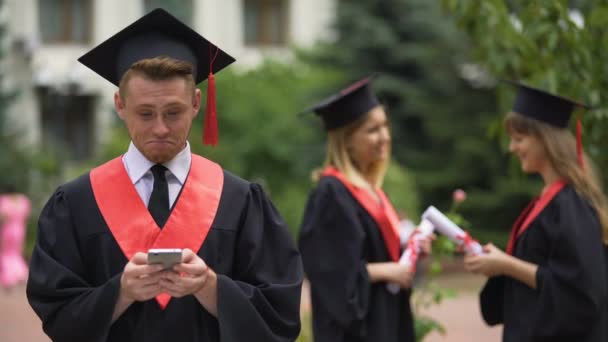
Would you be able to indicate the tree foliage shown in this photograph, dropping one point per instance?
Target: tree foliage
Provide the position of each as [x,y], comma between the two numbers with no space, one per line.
[440,114]
[11,157]
[557,45]
[25,169]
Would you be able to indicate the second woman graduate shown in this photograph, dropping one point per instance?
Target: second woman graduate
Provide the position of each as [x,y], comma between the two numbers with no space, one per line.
[550,285]
[349,236]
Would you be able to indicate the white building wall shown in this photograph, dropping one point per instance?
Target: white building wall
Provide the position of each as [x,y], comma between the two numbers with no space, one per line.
[220,21]
[110,16]
[22,27]
[311,21]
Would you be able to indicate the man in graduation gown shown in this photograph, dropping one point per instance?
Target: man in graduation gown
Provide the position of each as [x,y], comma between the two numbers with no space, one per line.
[240,276]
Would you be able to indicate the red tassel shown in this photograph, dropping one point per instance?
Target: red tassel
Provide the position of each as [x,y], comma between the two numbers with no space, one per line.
[210,132]
[579,144]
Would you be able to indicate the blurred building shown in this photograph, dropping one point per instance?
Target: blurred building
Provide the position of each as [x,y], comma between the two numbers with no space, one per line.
[62,102]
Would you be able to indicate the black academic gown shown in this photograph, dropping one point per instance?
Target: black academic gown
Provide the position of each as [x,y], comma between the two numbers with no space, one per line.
[337,240]
[570,302]
[76,267]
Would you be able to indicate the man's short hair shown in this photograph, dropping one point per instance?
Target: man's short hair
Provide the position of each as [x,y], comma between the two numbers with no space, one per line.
[158,69]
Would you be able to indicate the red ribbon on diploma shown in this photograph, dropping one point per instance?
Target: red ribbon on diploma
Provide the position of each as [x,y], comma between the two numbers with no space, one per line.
[466,239]
[414,245]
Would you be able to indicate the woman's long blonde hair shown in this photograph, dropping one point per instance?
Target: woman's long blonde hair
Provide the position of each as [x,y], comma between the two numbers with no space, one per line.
[338,156]
[561,150]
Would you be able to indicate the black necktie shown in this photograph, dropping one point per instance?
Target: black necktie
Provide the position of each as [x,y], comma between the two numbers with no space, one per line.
[159,200]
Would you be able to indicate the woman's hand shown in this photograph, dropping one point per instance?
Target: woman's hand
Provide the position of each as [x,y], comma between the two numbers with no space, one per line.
[426,245]
[492,262]
[391,272]
[402,275]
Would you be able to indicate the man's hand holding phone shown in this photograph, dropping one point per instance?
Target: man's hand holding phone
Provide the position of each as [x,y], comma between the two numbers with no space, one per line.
[140,280]
[192,277]
[188,277]
[146,276]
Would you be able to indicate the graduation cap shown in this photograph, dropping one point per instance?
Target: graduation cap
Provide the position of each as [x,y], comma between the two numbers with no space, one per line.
[158,33]
[348,105]
[549,108]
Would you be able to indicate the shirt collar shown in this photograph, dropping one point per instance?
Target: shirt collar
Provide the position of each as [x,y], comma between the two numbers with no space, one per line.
[180,165]
[137,164]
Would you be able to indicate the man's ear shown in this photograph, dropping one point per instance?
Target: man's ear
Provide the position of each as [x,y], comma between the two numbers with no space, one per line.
[196,101]
[119,106]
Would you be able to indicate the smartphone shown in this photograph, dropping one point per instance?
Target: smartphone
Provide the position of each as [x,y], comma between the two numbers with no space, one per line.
[166,256]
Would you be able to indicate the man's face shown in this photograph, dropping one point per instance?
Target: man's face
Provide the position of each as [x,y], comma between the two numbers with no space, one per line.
[158,115]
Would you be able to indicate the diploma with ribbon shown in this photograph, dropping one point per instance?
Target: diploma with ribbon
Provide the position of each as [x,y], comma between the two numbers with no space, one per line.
[448,228]
[412,251]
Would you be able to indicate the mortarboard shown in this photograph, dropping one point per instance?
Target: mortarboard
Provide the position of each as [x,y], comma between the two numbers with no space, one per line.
[544,106]
[549,108]
[348,105]
[158,33]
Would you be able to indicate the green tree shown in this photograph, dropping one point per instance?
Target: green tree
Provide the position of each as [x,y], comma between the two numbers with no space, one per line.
[557,45]
[440,113]
[25,169]
[11,157]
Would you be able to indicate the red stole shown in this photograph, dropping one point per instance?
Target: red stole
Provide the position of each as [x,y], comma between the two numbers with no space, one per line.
[131,223]
[531,212]
[383,213]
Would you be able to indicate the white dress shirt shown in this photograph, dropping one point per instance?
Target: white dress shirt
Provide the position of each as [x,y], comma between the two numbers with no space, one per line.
[138,168]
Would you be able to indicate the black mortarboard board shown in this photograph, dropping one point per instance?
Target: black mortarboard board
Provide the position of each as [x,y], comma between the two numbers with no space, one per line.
[544,106]
[158,33]
[348,105]
[552,109]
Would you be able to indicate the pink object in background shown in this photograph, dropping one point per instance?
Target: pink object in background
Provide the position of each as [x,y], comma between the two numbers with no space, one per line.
[459,196]
[14,210]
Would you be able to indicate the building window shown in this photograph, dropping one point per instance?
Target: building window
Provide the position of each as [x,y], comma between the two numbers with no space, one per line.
[65,21]
[265,22]
[67,123]
[181,9]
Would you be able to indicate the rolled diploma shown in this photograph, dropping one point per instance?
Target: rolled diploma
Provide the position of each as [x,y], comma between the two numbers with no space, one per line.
[448,228]
[424,229]
[406,228]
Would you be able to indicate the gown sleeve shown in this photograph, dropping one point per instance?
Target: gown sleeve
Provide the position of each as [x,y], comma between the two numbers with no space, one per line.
[261,300]
[69,307]
[332,244]
[572,285]
[491,300]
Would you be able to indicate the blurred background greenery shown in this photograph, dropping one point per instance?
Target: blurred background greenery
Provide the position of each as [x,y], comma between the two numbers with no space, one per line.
[438,61]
